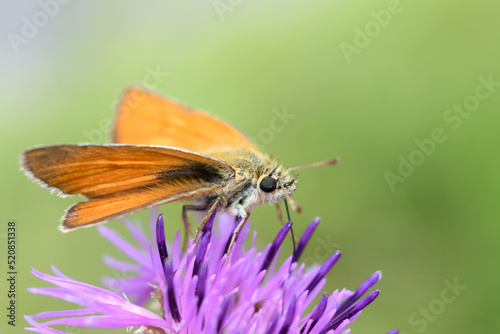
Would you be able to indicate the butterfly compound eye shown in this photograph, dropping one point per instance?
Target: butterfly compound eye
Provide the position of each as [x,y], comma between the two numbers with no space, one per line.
[268,184]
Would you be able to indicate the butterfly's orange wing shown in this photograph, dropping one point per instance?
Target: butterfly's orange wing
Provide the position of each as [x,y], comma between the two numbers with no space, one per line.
[121,179]
[101,210]
[146,119]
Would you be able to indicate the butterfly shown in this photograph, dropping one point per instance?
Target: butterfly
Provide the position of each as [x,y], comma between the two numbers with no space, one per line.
[162,152]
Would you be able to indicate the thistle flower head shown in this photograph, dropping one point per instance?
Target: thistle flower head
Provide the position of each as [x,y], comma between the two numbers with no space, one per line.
[198,291]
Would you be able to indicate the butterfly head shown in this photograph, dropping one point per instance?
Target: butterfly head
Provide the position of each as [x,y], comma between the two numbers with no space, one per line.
[276,185]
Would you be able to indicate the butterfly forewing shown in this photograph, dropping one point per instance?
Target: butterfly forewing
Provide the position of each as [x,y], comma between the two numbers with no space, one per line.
[121,179]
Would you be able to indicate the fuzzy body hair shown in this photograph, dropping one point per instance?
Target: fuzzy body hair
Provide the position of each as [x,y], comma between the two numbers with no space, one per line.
[242,188]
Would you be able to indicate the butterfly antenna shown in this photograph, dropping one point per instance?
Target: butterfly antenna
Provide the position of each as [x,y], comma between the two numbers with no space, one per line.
[317,164]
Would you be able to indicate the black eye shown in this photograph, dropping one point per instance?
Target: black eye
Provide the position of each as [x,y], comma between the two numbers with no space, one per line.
[268,184]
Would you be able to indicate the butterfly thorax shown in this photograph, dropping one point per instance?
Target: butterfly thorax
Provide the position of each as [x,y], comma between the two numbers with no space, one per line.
[243,189]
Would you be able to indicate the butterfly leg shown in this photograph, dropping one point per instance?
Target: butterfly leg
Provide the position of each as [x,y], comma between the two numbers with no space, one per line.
[209,213]
[243,215]
[187,223]
[279,214]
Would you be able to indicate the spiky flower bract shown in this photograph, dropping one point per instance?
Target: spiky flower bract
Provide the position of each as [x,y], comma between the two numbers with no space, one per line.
[202,291]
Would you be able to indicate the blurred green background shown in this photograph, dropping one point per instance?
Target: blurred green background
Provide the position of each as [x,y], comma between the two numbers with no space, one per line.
[369,81]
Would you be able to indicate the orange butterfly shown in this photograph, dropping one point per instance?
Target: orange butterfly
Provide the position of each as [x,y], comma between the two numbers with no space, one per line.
[163,152]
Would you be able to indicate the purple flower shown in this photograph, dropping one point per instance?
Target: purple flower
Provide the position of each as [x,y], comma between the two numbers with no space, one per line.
[198,291]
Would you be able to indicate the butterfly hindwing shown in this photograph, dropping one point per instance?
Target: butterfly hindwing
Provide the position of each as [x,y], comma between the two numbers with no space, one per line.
[146,119]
